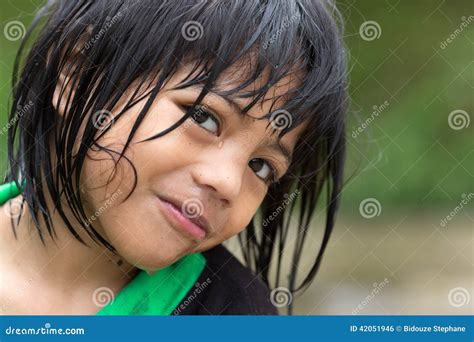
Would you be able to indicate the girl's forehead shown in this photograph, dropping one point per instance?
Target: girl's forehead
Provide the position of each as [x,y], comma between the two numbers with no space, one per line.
[275,96]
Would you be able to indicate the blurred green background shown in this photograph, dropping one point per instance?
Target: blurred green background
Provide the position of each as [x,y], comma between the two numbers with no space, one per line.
[410,156]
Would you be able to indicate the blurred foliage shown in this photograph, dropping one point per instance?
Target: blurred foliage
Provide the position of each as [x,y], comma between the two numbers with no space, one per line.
[408,155]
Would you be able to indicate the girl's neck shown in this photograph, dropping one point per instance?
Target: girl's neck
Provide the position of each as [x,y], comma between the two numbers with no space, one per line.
[63,263]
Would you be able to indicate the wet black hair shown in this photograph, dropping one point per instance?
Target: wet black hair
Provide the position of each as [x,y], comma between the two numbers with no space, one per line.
[125,44]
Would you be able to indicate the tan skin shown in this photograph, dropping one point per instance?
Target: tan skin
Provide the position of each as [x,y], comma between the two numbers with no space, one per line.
[207,161]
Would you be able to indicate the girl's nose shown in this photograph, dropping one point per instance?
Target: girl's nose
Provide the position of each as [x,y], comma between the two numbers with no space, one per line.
[221,171]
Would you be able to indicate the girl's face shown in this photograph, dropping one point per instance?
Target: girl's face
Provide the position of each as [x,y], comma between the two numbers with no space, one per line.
[214,168]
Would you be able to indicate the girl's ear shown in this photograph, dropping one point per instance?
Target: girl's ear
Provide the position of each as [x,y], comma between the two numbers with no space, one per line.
[70,61]
[62,92]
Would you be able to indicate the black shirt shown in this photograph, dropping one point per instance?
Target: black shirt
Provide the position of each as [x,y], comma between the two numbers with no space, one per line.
[226,287]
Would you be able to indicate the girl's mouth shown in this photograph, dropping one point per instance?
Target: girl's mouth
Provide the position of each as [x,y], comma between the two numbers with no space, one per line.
[179,221]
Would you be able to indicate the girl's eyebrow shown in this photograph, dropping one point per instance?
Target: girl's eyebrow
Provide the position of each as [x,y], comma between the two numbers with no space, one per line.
[218,96]
[273,145]
[281,149]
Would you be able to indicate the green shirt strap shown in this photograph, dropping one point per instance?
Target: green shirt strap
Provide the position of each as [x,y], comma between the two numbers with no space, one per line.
[8,191]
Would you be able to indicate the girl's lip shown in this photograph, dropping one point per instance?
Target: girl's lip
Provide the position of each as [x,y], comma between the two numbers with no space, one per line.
[179,221]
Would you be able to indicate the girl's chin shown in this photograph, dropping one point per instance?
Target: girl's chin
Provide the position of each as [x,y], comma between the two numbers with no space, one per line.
[152,265]
[152,254]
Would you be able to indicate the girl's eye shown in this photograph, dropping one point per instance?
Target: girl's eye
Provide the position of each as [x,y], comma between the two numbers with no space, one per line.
[263,170]
[205,119]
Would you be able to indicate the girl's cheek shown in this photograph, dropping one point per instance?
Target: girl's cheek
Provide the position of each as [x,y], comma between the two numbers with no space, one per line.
[241,215]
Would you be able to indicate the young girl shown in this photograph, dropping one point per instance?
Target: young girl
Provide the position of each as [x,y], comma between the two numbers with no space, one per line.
[144,134]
